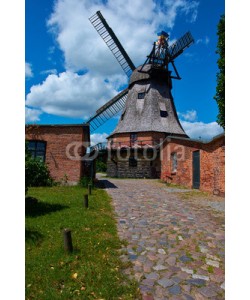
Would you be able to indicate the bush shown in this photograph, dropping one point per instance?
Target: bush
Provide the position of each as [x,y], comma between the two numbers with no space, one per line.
[36,172]
[85,181]
[101,166]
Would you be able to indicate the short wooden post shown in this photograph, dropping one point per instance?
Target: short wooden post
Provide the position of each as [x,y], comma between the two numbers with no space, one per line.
[86,201]
[90,189]
[68,247]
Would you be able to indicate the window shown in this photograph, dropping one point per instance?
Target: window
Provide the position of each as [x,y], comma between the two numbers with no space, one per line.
[133,137]
[173,162]
[37,149]
[141,95]
[163,113]
[132,161]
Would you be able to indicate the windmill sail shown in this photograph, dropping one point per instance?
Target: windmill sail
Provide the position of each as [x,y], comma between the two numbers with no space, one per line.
[112,42]
[108,110]
[117,103]
[180,45]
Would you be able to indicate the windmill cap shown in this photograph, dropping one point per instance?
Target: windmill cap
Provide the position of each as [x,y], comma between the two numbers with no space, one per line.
[137,76]
[163,33]
[145,72]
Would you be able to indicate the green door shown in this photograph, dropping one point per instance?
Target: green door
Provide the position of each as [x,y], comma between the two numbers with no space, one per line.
[196,169]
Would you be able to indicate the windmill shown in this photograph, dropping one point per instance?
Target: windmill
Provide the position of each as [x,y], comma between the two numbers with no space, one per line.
[161,55]
[149,113]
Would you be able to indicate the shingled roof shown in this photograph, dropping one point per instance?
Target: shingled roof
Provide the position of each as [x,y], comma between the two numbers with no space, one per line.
[154,112]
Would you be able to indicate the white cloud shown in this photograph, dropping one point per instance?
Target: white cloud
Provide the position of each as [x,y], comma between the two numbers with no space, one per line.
[190,115]
[28,70]
[83,48]
[70,95]
[32,115]
[204,41]
[207,40]
[96,138]
[173,7]
[205,131]
[81,44]
[135,23]
[50,71]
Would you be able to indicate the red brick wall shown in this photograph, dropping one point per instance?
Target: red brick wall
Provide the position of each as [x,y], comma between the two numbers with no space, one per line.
[145,137]
[57,138]
[183,175]
[212,164]
[213,168]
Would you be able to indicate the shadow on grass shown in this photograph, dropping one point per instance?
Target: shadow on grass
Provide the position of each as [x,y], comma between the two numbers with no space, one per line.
[105,184]
[34,208]
[33,236]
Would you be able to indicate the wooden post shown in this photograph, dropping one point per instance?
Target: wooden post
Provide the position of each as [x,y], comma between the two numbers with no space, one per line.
[90,189]
[86,201]
[68,247]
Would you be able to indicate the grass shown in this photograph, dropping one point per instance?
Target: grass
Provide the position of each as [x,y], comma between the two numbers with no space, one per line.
[210,269]
[188,254]
[194,194]
[174,185]
[94,269]
[197,248]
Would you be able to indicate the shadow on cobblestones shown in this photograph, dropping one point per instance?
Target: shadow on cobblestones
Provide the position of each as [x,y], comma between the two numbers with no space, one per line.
[105,184]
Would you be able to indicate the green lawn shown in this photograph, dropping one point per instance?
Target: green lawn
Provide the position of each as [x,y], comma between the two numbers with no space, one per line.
[93,270]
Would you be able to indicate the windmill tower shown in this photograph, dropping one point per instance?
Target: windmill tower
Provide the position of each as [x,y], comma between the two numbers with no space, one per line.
[149,114]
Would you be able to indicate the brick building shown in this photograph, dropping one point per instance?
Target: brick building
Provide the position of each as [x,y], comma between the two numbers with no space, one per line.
[173,159]
[133,155]
[149,141]
[61,147]
[195,164]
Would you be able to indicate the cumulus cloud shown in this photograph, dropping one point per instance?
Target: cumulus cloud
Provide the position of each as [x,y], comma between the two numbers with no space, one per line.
[190,115]
[83,48]
[28,70]
[96,138]
[80,43]
[70,95]
[173,7]
[205,131]
[32,115]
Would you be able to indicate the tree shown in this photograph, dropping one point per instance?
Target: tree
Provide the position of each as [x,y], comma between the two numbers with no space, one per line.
[220,89]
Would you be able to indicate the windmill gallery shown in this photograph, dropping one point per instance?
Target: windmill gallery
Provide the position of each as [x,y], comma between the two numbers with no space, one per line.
[149,141]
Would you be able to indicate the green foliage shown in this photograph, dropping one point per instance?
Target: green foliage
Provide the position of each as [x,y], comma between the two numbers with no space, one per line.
[101,166]
[36,172]
[85,181]
[220,89]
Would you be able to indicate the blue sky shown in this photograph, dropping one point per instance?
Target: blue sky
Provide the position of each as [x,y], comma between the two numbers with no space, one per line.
[70,72]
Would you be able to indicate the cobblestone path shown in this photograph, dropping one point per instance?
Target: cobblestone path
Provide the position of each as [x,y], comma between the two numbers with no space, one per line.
[175,239]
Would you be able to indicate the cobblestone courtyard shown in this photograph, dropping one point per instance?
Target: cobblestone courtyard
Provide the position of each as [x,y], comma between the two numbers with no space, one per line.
[176,238]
